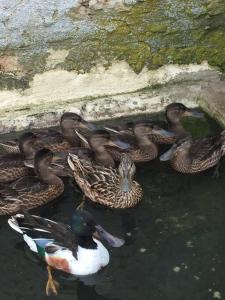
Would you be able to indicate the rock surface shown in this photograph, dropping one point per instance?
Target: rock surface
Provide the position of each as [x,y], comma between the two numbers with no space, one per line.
[57,55]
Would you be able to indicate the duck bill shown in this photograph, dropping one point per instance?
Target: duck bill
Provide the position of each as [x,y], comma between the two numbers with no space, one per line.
[29,163]
[168,154]
[60,170]
[111,129]
[88,125]
[108,237]
[120,132]
[125,185]
[163,132]
[59,157]
[81,137]
[73,160]
[194,113]
[118,143]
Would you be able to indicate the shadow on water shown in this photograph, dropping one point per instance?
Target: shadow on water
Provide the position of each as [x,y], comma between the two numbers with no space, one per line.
[175,241]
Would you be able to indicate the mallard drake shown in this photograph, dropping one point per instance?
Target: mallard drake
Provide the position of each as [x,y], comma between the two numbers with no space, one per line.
[98,140]
[54,140]
[110,187]
[74,248]
[12,165]
[32,191]
[189,156]
[144,149]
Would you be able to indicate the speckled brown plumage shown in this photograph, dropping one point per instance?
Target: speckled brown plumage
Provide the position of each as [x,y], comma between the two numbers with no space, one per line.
[143,149]
[12,165]
[13,200]
[137,154]
[52,139]
[32,191]
[196,156]
[103,185]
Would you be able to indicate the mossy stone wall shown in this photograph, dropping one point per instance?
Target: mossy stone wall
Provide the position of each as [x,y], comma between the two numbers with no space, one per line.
[147,33]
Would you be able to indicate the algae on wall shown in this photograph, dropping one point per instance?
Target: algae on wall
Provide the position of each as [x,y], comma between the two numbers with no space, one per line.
[147,33]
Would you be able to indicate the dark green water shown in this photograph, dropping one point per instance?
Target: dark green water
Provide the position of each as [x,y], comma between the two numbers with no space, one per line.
[175,241]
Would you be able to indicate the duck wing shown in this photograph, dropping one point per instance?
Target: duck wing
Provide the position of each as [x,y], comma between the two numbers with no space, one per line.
[11,160]
[11,146]
[51,138]
[27,184]
[46,233]
[204,148]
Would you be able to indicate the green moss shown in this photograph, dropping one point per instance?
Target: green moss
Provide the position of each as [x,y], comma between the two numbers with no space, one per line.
[150,33]
[11,82]
[146,36]
[200,128]
[157,27]
[215,7]
[33,62]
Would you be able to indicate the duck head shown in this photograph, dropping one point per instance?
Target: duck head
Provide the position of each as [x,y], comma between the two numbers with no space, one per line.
[42,166]
[126,128]
[26,144]
[146,128]
[101,138]
[84,226]
[176,111]
[126,171]
[70,121]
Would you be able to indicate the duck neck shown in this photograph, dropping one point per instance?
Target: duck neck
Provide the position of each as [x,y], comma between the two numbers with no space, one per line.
[145,144]
[70,136]
[45,175]
[86,242]
[103,157]
[27,149]
[177,128]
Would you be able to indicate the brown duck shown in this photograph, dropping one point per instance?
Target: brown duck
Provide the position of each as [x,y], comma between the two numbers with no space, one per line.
[54,140]
[174,113]
[12,165]
[189,156]
[32,191]
[98,142]
[107,186]
[144,149]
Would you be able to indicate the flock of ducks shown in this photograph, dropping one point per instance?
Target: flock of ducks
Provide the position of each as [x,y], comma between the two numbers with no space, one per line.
[102,162]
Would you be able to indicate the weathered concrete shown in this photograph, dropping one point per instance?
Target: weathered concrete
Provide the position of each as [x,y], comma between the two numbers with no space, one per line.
[66,55]
[189,88]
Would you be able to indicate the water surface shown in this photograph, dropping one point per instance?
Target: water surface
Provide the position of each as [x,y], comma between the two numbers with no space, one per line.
[175,241]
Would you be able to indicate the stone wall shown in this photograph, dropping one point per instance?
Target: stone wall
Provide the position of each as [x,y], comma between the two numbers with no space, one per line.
[55,55]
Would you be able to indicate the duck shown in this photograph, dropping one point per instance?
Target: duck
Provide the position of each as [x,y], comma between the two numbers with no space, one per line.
[74,248]
[144,149]
[195,156]
[52,139]
[32,191]
[98,142]
[174,113]
[114,188]
[12,165]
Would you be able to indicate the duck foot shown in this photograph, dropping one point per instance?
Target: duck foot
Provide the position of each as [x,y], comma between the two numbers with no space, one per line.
[81,205]
[52,285]
[216,173]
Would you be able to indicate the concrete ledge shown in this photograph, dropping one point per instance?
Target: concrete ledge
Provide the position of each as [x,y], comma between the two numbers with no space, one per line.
[204,87]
